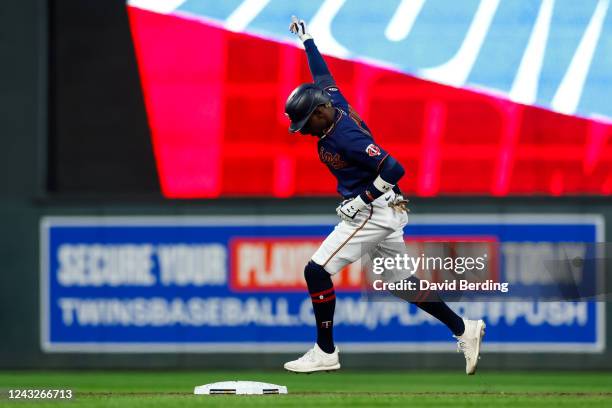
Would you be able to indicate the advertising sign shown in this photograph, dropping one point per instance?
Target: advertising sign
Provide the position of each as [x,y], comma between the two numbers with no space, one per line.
[235,284]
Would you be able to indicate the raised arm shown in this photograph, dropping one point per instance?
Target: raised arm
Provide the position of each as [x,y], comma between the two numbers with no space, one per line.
[318,68]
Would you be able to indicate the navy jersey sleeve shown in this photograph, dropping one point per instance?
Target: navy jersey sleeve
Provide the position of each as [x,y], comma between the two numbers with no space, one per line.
[337,98]
[361,150]
[322,76]
[318,68]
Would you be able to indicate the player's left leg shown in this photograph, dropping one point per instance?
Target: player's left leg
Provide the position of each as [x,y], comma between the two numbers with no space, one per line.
[469,333]
[324,356]
[343,246]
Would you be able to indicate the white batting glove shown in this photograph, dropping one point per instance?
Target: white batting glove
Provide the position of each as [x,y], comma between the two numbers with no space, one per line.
[348,209]
[399,204]
[298,27]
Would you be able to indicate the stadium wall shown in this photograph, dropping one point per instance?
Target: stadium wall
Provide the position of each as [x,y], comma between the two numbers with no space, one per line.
[24,201]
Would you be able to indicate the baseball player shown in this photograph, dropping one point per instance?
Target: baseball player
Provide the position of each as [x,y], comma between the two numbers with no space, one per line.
[373,213]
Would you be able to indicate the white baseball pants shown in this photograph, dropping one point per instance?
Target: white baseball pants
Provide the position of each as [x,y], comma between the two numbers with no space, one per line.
[378,228]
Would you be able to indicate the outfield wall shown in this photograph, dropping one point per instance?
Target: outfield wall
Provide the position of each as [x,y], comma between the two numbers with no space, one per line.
[21,287]
[235,283]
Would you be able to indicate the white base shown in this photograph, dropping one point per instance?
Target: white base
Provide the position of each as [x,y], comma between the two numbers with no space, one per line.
[239,388]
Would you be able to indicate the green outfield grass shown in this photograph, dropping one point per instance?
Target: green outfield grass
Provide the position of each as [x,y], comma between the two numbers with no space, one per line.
[345,388]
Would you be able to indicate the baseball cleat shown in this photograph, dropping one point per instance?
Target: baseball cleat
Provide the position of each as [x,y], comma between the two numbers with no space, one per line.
[469,343]
[314,360]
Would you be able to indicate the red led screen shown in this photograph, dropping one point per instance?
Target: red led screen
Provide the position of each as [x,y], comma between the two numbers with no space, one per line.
[215,103]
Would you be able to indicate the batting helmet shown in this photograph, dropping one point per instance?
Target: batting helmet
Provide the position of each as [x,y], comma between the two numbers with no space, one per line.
[302,103]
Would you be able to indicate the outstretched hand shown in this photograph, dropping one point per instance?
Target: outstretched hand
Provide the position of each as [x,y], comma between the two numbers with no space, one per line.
[298,27]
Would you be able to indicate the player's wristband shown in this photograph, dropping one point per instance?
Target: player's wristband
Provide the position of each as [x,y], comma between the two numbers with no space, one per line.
[375,190]
[381,185]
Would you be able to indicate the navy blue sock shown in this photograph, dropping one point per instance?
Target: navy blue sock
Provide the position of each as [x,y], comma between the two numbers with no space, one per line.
[442,312]
[430,302]
[321,289]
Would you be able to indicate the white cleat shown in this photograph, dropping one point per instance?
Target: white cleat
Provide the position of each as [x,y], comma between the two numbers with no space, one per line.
[469,343]
[315,359]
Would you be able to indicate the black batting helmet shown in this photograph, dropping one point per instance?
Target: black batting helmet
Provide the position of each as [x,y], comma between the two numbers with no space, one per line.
[302,102]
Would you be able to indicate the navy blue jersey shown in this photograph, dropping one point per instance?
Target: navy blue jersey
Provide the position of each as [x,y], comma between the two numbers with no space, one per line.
[348,149]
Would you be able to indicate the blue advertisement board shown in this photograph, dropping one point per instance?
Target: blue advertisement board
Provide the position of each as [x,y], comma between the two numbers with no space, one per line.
[235,284]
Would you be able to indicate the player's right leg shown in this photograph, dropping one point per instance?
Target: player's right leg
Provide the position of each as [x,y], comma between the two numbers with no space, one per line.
[469,343]
[469,333]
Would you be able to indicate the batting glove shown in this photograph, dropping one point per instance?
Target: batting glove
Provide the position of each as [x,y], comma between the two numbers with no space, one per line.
[298,27]
[399,204]
[348,209]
